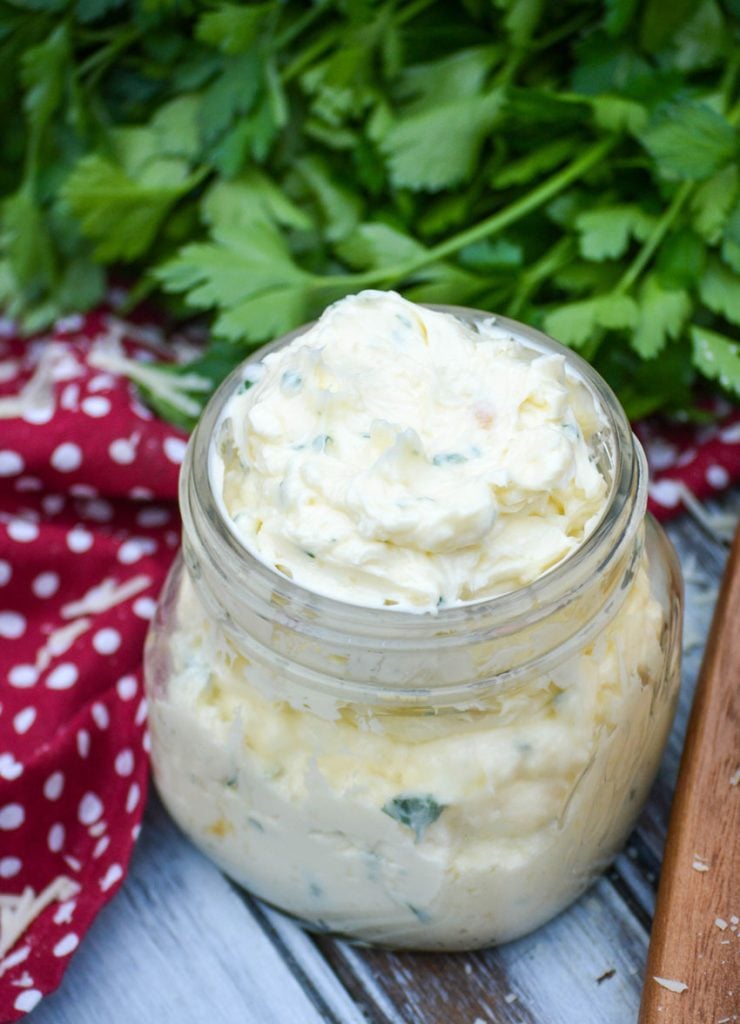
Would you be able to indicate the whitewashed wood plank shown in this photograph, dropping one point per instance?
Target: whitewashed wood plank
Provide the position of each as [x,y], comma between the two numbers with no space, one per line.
[178,945]
[641,884]
[549,977]
[555,971]
[298,948]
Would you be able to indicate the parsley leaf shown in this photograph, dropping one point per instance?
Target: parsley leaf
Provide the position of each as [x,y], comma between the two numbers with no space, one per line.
[438,148]
[605,232]
[681,259]
[662,315]
[123,213]
[689,140]
[717,356]
[415,812]
[720,290]
[341,208]
[712,202]
[575,322]
[248,273]
[378,245]
[731,240]
[232,27]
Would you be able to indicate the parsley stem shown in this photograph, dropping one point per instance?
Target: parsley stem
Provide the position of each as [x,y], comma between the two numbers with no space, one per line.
[525,204]
[655,237]
[410,12]
[290,32]
[556,257]
[312,52]
[489,226]
[97,61]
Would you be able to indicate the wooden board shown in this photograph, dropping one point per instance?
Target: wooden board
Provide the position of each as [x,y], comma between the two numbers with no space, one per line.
[181,945]
[692,942]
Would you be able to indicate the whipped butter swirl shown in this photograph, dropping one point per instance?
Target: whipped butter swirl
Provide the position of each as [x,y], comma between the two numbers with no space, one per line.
[394,455]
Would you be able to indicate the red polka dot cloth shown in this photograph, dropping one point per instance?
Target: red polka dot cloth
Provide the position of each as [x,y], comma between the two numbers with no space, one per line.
[88,530]
[691,462]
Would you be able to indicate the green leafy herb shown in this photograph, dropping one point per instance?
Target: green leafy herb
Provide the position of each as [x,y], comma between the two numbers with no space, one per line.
[415,812]
[573,165]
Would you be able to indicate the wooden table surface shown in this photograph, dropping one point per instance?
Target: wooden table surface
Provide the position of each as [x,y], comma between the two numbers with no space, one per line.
[181,945]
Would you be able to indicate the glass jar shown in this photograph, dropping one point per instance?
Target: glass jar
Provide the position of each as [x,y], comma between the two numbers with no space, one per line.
[429,781]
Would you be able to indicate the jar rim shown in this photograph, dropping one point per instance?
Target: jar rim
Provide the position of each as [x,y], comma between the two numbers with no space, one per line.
[203,510]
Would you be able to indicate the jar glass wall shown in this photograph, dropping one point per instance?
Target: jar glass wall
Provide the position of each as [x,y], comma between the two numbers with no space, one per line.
[424,781]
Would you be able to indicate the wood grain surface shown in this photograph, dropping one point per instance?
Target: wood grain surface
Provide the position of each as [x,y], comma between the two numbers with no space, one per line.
[694,938]
[181,945]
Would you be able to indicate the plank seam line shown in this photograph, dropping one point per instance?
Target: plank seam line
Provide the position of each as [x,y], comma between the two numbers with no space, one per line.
[303,978]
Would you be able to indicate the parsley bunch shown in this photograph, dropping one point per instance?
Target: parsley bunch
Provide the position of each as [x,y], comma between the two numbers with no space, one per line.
[571,163]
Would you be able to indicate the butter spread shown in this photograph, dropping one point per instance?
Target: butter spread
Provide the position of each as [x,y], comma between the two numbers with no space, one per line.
[394,455]
[431,832]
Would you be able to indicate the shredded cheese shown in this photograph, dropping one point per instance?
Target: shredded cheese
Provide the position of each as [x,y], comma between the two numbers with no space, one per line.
[60,641]
[37,392]
[104,596]
[670,984]
[19,910]
[720,525]
[108,354]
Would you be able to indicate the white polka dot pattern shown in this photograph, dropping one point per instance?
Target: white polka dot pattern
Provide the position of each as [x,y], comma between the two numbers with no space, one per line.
[79,540]
[122,451]
[10,768]
[22,531]
[717,477]
[46,584]
[96,406]
[112,875]
[126,687]
[66,945]
[24,719]
[67,457]
[124,763]
[23,676]
[27,1000]
[90,809]
[174,449]
[106,641]
[55,839]
[12,816]
[100,715]
[135,548]
[54,785]
[63,676]
[145,607]
[10,866]
[11,463]
[12,625]
[83,742]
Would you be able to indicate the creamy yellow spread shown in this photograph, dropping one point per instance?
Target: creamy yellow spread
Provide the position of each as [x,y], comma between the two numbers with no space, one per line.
[393,455]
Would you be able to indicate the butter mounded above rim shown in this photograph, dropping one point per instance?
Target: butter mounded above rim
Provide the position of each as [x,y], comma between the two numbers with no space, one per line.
[393,455]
